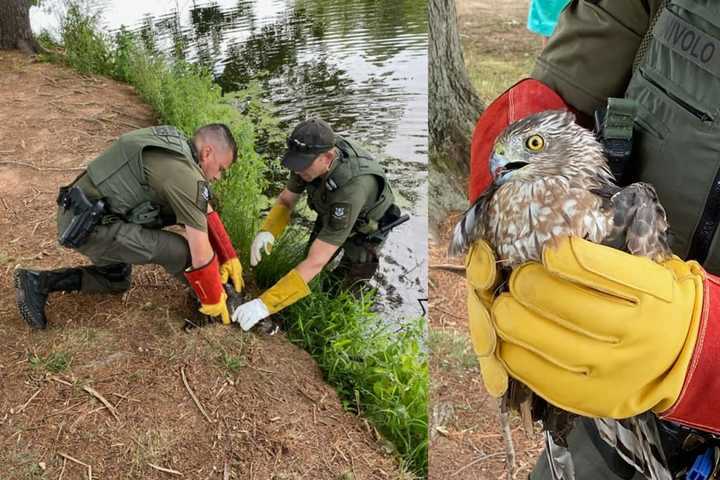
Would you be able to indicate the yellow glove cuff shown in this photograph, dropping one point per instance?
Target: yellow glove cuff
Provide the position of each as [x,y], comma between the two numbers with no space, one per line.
[285,292]
[276,220]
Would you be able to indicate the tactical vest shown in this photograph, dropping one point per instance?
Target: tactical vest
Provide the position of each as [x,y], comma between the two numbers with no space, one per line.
[118,173]
[353,161]
[677,140]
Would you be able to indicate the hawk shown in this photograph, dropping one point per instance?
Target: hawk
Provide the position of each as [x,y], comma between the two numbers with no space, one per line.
[551,180]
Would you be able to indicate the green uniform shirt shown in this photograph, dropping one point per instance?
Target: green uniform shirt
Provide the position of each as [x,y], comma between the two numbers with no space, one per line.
[338,210]
[182,190]
[590,56]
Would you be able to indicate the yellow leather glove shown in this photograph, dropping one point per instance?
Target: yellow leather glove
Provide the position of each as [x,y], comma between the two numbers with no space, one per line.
[600,332]
[276,220]
[217,309]
[232,269]
[288,290]
[482,280]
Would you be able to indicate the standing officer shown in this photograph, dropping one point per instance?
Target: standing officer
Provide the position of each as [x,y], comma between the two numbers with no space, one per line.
[353,200]
[114,212]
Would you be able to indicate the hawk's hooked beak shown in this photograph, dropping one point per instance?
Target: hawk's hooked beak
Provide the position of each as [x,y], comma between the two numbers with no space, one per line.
[500,169]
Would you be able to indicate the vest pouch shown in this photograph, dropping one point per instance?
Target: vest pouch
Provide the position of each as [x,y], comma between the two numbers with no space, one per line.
[146,214]
[677,138]
[676,150]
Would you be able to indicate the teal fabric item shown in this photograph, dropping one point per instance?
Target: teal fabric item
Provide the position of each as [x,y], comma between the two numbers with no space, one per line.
[543,15]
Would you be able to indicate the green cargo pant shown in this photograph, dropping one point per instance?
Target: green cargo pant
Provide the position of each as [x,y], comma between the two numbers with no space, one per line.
[127,243]
[593,459]
[360,259]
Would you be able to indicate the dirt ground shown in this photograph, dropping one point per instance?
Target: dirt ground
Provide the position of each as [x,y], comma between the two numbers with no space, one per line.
[107,386]
[466,440]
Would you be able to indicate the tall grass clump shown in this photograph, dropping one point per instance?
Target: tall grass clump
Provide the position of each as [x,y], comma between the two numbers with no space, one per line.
[379,372]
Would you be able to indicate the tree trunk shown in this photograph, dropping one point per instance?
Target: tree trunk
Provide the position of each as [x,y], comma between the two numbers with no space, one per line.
[15,29]
[454,107]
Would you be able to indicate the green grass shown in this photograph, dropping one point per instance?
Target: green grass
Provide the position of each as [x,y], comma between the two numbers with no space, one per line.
[491,76]
[453,349]
[54,362]
[379,373]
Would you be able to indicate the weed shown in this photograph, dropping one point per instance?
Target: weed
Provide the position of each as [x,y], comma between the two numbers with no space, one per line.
[54,362]
[232,363]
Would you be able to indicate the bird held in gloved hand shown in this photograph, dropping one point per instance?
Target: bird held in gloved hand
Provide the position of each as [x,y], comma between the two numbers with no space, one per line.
[551,180]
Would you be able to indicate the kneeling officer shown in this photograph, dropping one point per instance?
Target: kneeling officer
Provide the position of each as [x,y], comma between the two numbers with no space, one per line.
[114,212]
[355,212]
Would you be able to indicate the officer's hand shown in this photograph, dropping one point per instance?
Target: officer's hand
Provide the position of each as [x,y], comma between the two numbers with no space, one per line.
[232,269]
[249,313]
[482,280]
[263,241]
[217,309]
[600,332]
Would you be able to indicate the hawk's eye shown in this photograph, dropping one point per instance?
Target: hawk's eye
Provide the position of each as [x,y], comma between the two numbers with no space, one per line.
[535,143]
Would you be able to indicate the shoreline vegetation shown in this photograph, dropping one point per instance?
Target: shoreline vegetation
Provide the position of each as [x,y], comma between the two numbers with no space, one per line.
[380,371]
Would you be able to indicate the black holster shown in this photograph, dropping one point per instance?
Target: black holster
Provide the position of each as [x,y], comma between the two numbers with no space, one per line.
[86,216]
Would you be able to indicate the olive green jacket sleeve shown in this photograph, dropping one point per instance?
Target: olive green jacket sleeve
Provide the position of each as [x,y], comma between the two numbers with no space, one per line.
[590,56]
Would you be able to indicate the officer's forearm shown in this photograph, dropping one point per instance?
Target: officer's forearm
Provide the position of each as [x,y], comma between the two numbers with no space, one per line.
[288,198]
[201,251]
[309,269]
[319,255]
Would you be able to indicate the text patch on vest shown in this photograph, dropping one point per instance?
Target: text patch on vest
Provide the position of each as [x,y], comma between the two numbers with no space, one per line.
[688,41]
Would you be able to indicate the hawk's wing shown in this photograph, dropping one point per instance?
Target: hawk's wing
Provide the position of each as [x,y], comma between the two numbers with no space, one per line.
[469,227]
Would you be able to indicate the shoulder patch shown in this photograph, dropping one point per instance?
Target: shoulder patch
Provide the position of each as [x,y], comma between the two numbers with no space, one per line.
[204,194]
[340,214]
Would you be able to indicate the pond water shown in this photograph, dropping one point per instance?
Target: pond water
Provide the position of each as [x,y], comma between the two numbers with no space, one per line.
[359,64]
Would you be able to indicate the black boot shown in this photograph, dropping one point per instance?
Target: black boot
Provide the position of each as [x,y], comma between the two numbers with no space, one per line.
[33,286]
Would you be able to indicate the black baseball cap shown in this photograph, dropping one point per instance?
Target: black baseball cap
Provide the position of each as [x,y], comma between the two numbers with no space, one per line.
[309,139]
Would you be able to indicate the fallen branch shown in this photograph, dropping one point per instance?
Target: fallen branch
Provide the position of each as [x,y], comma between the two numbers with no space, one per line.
[63,469]
[477,460]
[75,460]
[192,395]
[60,380]
[47,169]
[102,399]
[507,436]
[449,267]
[24,405]
[166,470]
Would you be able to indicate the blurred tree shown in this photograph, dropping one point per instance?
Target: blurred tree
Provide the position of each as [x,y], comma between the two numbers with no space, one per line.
[15,31]
[454,107]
